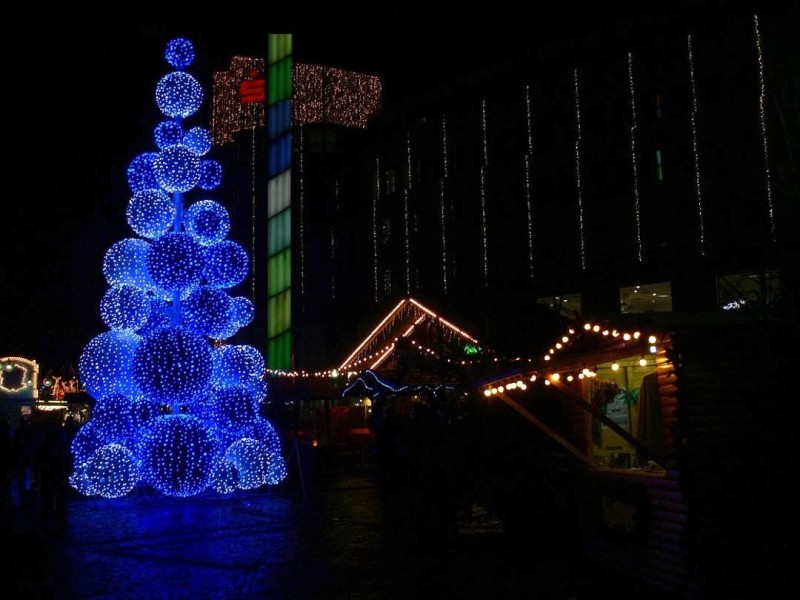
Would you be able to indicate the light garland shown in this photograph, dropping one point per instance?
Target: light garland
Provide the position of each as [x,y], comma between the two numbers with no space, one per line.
[527,166]
[578,186]
[762,112]
[634,163]
[695,146]
[375,199]
[484,164]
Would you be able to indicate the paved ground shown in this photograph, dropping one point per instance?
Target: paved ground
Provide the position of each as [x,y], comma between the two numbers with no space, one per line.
[332,537]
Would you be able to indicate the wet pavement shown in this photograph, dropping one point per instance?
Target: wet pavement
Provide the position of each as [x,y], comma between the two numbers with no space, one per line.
[333,535]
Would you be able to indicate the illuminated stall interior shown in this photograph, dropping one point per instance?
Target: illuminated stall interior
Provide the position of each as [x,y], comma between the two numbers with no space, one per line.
[620,388]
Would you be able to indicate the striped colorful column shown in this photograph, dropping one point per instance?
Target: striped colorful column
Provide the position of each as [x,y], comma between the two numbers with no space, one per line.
[279,201]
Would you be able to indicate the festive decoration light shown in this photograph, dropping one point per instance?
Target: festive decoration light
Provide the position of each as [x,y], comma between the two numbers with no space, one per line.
[208,221]
[762,111]
[171,411]
[151,213]
[578,187]
[634,163]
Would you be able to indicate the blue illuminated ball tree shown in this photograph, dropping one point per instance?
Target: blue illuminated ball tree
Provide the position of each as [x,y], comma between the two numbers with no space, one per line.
[176,406]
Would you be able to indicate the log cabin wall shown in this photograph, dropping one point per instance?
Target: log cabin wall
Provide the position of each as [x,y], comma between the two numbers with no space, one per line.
[736,460]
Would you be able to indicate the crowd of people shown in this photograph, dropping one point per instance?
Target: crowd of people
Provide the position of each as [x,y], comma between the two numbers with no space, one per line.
[37,462]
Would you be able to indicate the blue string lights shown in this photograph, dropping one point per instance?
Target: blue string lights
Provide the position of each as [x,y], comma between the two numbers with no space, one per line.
[176,407]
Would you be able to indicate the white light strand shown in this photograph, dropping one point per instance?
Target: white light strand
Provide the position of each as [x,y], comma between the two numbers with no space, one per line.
[763,115]
[578,167]
[444,146]
[529,208]
[484,141]
[695,147]
[408,157]
[528,159]
[485,162]
[333,238]
[444,235]
[406,227]
[253,213]
[483,227]
[634,164]
[375,199]
[301,200]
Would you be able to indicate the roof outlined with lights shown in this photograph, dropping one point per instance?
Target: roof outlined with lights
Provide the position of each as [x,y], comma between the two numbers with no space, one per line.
[409,324]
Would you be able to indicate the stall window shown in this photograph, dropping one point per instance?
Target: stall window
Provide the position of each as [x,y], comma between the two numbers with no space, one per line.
[747,290]
[567,305]
[646,298]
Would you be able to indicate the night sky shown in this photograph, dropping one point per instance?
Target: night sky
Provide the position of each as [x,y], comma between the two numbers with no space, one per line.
[80,104]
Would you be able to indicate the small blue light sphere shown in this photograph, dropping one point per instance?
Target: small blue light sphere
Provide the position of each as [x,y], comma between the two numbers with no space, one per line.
[79,479]
[124,263]
[242,311]
[179,53]
[177,169]
[151,213]
[207,311]
[125,306]
[198,140]
[168,133]
[176,455]
[208,221]
[106,364]
[112,471]
[210,175]
[264,431]
[236,365]
[226,264]
[178,94]
[175,261]
[224,477]
[141,174]
[252,459]
[174,367]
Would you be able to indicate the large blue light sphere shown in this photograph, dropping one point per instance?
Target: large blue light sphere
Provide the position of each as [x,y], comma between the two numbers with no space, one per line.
[160,317]
[226,264]
[208,221]
[168,133]
[207,311]
[178,94]
[210,175]
[177,169]
[117,419]
[176,261]
[106,364]
[176,454]
[233,410]
[141,174]
[125,263]
[151,213]
[174,367]
[179,53]
[125,306]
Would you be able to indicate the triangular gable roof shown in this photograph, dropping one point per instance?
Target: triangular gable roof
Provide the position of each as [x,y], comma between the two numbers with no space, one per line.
[414,323]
